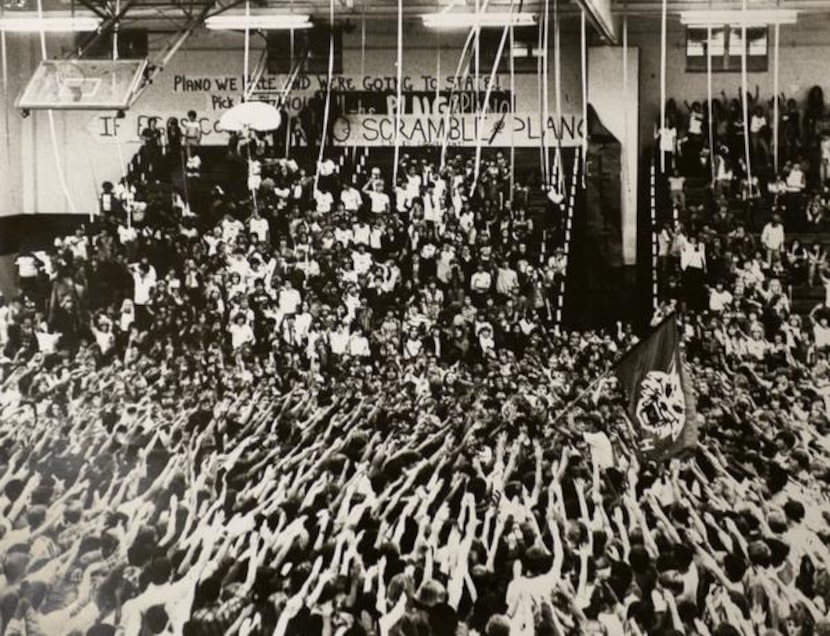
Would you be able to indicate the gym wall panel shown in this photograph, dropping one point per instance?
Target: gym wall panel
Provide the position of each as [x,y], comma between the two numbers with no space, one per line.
[617,109]
[201,77]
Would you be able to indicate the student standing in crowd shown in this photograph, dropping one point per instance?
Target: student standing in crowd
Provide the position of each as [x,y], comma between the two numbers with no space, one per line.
[192,132]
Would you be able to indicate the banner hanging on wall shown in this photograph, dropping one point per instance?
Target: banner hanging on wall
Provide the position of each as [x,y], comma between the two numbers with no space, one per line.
[522,130]
[364,111]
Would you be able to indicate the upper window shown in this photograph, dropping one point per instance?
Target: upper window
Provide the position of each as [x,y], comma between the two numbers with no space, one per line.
[526,52]
[309,45]
[726,47]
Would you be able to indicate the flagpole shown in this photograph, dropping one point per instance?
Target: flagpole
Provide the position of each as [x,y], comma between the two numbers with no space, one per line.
[570,405]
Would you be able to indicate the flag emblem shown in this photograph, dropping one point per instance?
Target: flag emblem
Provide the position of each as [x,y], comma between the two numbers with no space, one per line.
[661,407]
[661,404]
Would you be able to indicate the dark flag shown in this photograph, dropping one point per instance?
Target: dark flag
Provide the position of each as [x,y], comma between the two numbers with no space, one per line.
[661,405]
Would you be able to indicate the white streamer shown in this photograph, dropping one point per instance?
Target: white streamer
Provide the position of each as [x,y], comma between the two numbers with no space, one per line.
[709,94]
[51,116]
[328,95]
[776,113]
[662,124]
[584,63]
[546,91]
[398,96]
[483,110]
[557,78]
[745,102]
[247,49]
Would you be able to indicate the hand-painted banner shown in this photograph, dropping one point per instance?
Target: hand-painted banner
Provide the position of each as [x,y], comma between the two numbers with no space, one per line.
[420,102]
[522,130]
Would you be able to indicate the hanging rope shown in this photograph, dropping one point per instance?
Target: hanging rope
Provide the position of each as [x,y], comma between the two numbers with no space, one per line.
[626,106]
[557,79]
[118,146]
[437,66]
[327,108]
[662,124]
[482,115]
[398,96]
[776,114]
[477,60]
[256,76]
[291,38]
[546,90]
[709,100]
[246,56]
[52,132]
[286,89]
[458,78]
[4,63]
[363,40]
[512,114]
[584,62]
[115,28]
[451,99]
[745,103]
[540,85]
[123,175]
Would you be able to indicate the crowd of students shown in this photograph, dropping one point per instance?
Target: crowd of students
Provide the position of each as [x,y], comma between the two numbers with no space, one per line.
[338,406]
[741,162]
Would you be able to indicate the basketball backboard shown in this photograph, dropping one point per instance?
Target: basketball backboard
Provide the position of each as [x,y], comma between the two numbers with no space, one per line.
[83,85]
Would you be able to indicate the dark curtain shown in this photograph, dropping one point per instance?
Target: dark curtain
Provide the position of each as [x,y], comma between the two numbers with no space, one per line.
[595,268]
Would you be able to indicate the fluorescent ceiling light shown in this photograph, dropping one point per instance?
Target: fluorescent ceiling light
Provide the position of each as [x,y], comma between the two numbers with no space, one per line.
[54,24]
[460,20]
[237,21]
[737,17]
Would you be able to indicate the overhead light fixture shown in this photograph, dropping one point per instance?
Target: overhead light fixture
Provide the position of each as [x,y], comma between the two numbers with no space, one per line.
[266,22]
[51,24]
[460,20]
[737,17]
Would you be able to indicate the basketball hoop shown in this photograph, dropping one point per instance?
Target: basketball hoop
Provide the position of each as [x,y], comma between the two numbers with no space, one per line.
[82,85]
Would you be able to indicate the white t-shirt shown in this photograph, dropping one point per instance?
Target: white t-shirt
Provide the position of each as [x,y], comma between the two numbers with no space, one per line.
[601,449]
[362,232]
[359,345]
[26,266]
[351,199]
[143,285]
[719,300]
[822,336]
[676,183]
[324,201]
[668,139]
[481,281]
[380,201]
[362,262]
[795,180]
[693,256]
[344,236]
[772,236]
[695,124]
[289,300]
[240,334]
[47,342]
[258,226]
[339,341]
[104,339]
[127,234]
